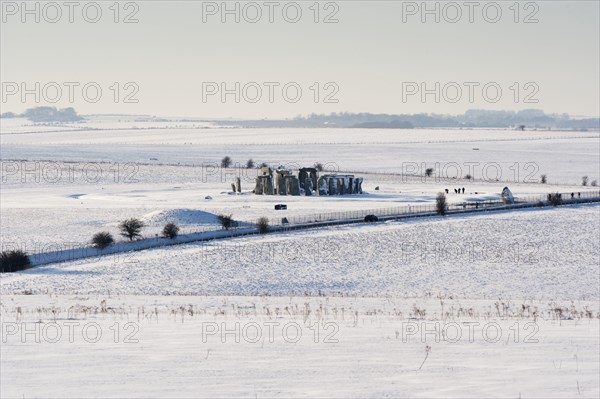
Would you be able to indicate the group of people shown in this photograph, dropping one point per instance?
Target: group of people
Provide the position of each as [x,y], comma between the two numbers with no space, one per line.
[456,190]
[560,196]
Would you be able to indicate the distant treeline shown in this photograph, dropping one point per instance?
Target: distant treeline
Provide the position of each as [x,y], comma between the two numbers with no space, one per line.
[46,114]
[530,118]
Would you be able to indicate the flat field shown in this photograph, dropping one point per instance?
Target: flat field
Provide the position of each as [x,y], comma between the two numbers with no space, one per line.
[405,308]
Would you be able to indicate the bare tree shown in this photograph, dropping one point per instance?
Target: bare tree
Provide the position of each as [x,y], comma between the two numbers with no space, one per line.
[226,162]
[131,228]
[441,206]
[171,230]
[226,221]
[263,225]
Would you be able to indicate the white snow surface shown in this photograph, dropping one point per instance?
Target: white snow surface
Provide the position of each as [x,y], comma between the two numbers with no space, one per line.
[528,277]
[550,253]
[63,204]
[327,347]
[565,156]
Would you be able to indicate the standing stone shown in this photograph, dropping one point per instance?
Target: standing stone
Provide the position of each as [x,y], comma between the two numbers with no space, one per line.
[307,182]
[302,175]
[269,189]
[332,186]
[341,186]
[280,182]
[308,187]
[266,171]
[322,186]
[259,188]
[314,175]
[293,185]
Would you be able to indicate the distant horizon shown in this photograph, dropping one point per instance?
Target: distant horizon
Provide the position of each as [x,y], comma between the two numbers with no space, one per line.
[473,118]
[155,115]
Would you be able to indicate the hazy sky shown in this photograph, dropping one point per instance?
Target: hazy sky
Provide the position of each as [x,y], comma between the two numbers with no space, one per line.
[377,57]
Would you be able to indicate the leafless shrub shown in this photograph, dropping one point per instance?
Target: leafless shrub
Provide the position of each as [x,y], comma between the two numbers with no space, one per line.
[13,261]
[171,230]
[102,240]
[263,225]
[441,205]
[226,221]
[555,199]
[226,162]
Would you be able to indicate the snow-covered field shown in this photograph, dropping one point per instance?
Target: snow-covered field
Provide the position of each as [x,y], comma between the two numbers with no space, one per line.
[92,174]
[565,156]
[335,347]
[520,288]
[47,204]
[543,254]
